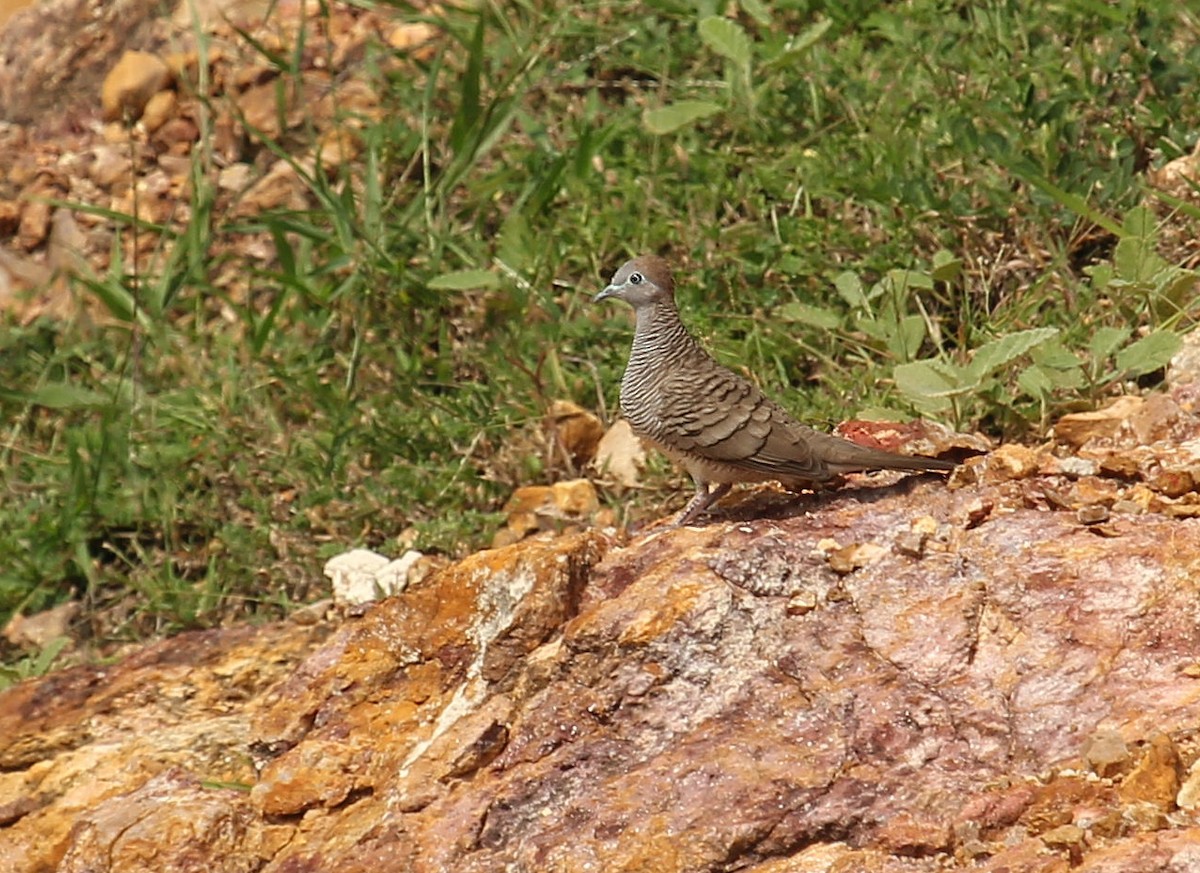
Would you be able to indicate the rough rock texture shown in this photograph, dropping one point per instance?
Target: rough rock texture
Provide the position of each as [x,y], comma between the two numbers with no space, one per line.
[901,676]
[102,765]
[73,42]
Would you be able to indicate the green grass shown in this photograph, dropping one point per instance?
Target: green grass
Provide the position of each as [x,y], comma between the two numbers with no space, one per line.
[865,196]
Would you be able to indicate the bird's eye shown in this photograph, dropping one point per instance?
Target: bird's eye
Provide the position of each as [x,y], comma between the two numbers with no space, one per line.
[636,278]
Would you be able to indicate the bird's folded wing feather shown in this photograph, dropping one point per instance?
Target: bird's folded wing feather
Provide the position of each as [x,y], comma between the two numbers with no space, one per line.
[723,418]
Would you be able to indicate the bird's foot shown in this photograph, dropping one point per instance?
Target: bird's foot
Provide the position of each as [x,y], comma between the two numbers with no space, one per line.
[702,500]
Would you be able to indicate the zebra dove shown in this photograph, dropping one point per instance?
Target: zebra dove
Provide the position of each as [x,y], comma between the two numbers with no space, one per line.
[715,424]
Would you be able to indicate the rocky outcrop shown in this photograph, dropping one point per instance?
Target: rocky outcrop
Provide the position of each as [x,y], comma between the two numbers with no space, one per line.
[1002,673]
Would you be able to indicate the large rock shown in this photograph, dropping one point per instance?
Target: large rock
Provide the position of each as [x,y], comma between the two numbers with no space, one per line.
[989,684]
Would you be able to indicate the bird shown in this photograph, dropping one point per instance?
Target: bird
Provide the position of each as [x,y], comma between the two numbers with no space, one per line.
[717,425]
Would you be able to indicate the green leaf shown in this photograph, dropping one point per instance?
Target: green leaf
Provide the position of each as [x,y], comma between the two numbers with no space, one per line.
[1105,341]
[469,106]
[1075,202]
[667,119]
[1150,353]
[63,395]
[946,266]
[463,280]
[515,245]
[115,297]
[1070,380]
[875,328]
[928,378]
[1135,257]
[1100,274]
[756,10]
[929,383]
[1056,364]
[900,281]
[1139,222]
[1035,382]
[993,355]
[849,287]
[1055,356]
[817,316]
[1174,288]
[726,38]
[43,660]
[906,340]
[801,43]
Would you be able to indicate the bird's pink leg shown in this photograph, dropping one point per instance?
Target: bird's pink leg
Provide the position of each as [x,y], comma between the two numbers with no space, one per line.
[702,501]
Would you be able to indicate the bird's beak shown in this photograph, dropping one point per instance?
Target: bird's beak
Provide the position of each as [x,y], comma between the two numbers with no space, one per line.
[606,293]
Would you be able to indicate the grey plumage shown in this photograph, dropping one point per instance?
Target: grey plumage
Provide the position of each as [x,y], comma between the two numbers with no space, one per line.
[719,427]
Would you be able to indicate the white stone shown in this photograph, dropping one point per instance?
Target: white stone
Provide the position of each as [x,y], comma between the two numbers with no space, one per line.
[393,578]
[354,576]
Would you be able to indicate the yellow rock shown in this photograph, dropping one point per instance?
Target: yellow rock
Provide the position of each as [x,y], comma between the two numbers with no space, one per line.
[575,498]
[620,454]
[159,110]
[130,84]
[1078,428]
[575,430]
[1013,461]
[1155,778]
[528,498]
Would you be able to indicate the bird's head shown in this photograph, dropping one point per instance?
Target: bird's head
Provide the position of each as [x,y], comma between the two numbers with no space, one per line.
[641,282]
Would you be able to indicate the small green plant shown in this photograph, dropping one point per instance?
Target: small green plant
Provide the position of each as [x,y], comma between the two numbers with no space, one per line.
[1141,286]
[30,666]
[747,66]
[936,386]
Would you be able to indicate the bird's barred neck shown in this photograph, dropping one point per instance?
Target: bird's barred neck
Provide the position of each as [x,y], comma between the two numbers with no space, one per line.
[658,332]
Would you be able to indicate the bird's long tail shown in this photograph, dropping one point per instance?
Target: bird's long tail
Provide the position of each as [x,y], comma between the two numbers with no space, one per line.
[844,456]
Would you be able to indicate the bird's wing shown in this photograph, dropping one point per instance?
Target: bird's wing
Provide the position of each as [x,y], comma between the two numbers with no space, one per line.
[719,416]
[714,414]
